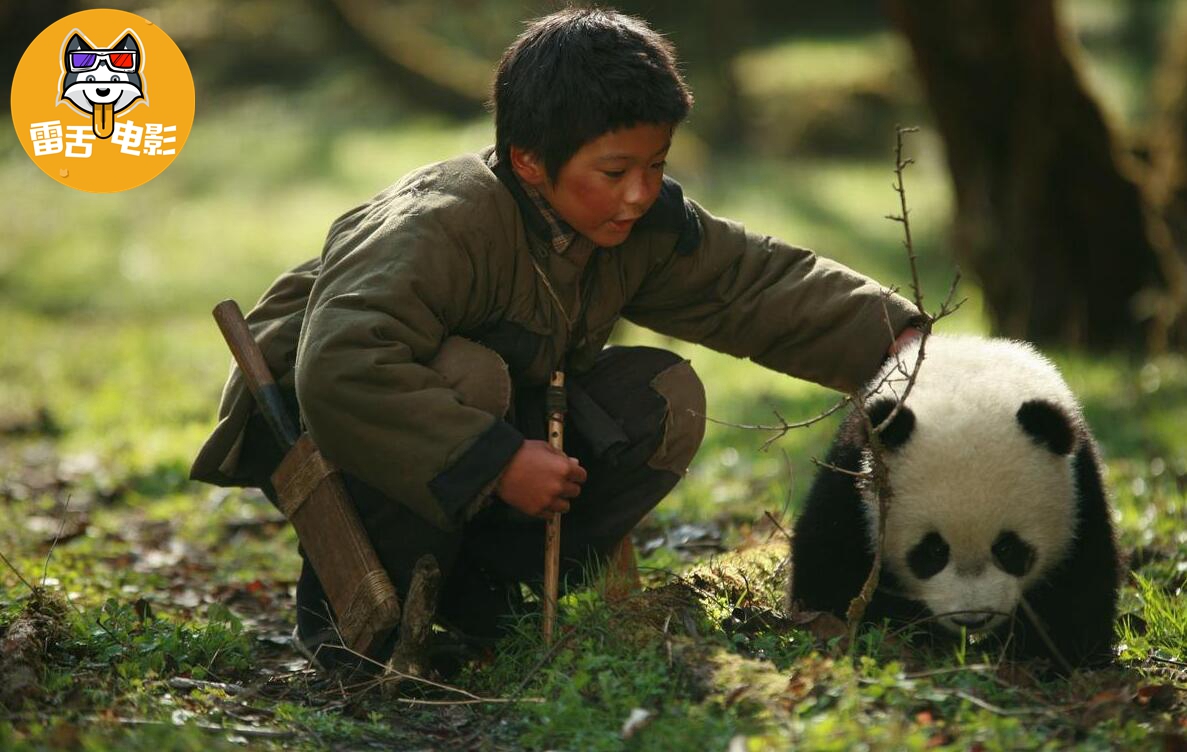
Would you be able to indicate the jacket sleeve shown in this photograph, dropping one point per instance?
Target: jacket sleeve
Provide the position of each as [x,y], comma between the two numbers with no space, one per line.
[393,285]
[754,296]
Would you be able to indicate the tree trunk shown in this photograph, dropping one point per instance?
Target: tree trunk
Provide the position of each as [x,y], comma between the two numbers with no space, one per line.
[1168,176]
[1049,221]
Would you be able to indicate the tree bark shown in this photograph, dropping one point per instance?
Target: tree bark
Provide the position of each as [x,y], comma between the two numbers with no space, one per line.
[1049,219]
[1168,175]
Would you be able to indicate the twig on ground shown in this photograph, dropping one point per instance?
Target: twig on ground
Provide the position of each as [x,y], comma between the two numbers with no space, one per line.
[985,705]
[181,682]
[258,732]
[390,675]
[17,572]
[61,527]
[778,526]
[1167,661]
[470,742]
[976,668]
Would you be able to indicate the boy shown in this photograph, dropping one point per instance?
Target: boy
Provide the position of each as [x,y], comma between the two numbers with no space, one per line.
[418,345]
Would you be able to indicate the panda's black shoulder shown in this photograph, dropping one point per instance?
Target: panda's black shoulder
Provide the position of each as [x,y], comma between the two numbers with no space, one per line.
[673,213]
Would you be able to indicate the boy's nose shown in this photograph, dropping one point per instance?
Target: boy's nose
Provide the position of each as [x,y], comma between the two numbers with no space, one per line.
[639,192]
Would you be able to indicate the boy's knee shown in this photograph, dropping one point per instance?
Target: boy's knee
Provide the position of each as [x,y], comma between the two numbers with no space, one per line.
[684,420]
[476,373]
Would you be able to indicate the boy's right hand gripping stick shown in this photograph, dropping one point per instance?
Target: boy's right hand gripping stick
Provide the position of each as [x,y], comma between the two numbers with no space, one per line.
[555,403]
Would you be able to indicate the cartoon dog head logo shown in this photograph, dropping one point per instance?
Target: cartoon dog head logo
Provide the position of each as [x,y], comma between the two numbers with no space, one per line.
[102,81]
[102,100]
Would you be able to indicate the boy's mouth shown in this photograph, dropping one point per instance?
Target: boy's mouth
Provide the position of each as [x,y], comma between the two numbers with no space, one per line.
[623,225]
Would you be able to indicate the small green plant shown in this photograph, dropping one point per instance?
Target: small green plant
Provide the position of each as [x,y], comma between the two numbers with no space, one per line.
[137,644]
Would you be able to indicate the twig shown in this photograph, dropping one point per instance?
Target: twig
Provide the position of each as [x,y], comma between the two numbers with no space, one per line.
[933,617]
[45,572]
[838,469]
[17,572]
[783,427]
[899,165]
[250,731]
[1167,661]
[1041,628]
[975,668]
[61,527]
[778,526]
[969,697]
[470,742]
[878,474]
[181,682]
[476,701]
[390,674]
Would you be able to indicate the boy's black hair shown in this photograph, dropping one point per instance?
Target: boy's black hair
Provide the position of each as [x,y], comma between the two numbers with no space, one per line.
[578,73]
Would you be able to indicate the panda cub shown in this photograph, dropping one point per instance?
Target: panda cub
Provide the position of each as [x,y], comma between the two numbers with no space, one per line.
[997,499]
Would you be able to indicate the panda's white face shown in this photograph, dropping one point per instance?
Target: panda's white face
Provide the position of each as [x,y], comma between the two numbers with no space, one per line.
[984,495]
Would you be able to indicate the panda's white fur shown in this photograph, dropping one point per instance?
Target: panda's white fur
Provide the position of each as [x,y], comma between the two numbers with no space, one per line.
[969,472]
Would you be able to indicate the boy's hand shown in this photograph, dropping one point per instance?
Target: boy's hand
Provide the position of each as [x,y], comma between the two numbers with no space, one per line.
[908,335]
[540,480]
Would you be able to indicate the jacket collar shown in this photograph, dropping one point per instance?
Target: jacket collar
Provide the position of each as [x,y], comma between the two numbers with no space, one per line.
[538,215]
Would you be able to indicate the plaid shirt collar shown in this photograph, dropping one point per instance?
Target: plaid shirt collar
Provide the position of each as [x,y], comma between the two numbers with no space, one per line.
[561,236]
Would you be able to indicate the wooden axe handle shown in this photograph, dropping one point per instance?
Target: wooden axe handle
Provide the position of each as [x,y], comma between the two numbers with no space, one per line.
[255,372]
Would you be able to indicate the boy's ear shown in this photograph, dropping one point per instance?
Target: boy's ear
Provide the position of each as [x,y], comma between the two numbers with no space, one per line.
[528,167]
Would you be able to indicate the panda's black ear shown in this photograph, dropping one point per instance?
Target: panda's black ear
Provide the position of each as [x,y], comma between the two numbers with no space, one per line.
[896,434]
[1047,425]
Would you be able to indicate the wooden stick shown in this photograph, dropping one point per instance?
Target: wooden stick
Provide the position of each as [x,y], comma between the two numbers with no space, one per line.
[552,534]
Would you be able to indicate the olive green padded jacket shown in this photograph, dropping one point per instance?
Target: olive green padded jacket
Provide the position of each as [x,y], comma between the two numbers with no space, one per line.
[455,248]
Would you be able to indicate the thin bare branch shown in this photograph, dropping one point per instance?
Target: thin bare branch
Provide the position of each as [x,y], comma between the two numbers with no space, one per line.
[1041,628]
[783,427]
[17,572]
[843,471]
[61,527]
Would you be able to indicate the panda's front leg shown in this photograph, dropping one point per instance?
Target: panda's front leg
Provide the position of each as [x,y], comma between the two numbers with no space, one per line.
[830,549]
[1074,607]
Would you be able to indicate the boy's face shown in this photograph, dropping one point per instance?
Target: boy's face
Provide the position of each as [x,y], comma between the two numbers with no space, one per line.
[608,184]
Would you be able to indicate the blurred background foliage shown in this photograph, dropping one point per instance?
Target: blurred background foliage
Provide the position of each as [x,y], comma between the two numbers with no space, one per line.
[319,93]
[308,107]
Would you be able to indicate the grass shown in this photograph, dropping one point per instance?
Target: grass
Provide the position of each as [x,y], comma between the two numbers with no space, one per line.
[180,596]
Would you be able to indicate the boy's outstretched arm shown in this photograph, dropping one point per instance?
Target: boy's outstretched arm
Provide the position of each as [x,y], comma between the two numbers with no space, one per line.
[781,306]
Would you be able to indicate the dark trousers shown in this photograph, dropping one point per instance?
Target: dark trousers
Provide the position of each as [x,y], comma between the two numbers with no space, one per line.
[615,425]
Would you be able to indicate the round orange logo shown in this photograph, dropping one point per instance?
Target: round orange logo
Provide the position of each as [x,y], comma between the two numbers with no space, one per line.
[102,101]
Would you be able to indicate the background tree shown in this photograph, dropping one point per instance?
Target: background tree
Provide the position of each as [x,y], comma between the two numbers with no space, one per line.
[1050,218]
[1167,182]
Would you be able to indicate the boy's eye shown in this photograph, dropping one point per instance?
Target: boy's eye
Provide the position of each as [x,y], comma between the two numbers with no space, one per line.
[660,165]
[613,173]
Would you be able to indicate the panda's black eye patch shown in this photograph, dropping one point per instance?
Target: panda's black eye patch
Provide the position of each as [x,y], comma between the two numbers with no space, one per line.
[1014,555]
[929,556]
